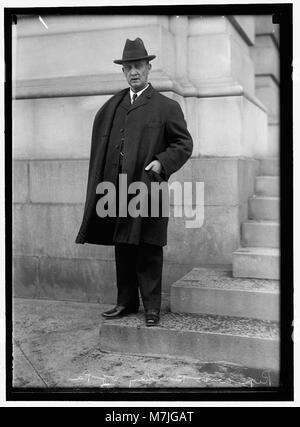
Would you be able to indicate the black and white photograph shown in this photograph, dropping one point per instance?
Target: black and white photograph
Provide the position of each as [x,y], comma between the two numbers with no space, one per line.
[150,249]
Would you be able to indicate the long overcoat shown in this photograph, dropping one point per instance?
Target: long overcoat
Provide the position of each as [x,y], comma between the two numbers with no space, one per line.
[154,128]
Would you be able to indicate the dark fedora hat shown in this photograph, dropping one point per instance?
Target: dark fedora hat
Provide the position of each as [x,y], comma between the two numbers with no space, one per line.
[134,50]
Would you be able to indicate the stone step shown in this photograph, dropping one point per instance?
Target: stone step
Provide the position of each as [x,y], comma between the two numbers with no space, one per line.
[244,342]
[267,185]
[260,234]
[216,292]
[263,208]
[261,263]
[269,166]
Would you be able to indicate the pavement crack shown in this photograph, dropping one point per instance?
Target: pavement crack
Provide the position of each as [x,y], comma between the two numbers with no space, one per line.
[30,363]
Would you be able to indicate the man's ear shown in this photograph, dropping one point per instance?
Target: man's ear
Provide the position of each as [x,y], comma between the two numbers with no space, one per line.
[150,66]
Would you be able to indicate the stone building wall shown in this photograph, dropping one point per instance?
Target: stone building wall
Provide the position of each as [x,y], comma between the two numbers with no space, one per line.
[62,76]
[267,75]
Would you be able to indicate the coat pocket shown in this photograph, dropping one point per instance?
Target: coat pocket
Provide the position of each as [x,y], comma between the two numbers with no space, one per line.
[154,176]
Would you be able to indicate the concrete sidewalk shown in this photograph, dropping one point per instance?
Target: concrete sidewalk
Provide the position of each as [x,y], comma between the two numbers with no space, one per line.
[56,344]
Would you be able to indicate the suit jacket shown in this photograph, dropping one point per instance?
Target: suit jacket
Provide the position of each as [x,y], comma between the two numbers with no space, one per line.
[154,129]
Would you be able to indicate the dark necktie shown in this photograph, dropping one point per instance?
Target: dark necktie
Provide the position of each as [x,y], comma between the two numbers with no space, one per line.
[134,98]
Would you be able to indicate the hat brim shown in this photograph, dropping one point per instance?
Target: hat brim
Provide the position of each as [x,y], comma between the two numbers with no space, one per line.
[140,58]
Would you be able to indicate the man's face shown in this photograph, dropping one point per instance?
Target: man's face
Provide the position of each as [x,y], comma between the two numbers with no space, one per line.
[136,73]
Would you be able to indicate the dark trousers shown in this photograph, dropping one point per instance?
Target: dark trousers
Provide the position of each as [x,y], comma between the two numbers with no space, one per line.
[139,267]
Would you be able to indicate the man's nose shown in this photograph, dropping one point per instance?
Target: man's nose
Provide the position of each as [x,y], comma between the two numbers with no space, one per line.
[133,71]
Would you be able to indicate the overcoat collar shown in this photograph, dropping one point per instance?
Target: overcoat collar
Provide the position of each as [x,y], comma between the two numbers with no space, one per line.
[111,106]
[142,99]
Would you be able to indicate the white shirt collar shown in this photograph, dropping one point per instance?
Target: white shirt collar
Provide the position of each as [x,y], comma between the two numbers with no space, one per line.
[137,93]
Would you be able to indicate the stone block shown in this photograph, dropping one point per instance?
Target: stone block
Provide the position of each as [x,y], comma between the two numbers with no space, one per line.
[267,185]
[54,128]
[61,24]
[254,130]
[212,63]
[245,25]
[25,276]
[51,230]
[216,116]
[173,271]
[247,171]
[212,243]
[86,280]
[58,181]
[216,292]
[242,67]
[273,139]
[269,166]
[20,188]
[264,25]
[243,212]
[60,128]
[192,119]
[219,176]
[48,66]
[265,55]
[206,344]
[261,263]
[22,129]
[264,208]
[267,90]
[65,181]
[207,25]
[77,52]
[260,234]
[218,54]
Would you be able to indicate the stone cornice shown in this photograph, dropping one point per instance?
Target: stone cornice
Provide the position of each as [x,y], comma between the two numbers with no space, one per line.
[92,85]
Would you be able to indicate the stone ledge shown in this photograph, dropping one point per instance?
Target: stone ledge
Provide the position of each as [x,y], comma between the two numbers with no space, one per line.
[261,233]
[79,279]
[94,85]
[205,338]
[255,262]
[244,27]
[270,166]
[267,186]
[227,302]
[65,180]
[264,208]
[216,292]
[265,26]
[222,279]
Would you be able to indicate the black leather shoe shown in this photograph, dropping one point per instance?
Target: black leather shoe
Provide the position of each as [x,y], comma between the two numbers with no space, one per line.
[118,311]
[152,317]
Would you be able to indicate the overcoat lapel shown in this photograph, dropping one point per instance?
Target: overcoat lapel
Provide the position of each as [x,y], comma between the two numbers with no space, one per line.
[100,137]
[143,99]
[110,109]
[125,103]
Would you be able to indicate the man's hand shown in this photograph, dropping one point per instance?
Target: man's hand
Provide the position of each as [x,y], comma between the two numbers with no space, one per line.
[155,165]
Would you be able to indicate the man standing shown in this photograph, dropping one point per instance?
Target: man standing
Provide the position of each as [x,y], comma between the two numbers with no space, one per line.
[142,135]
